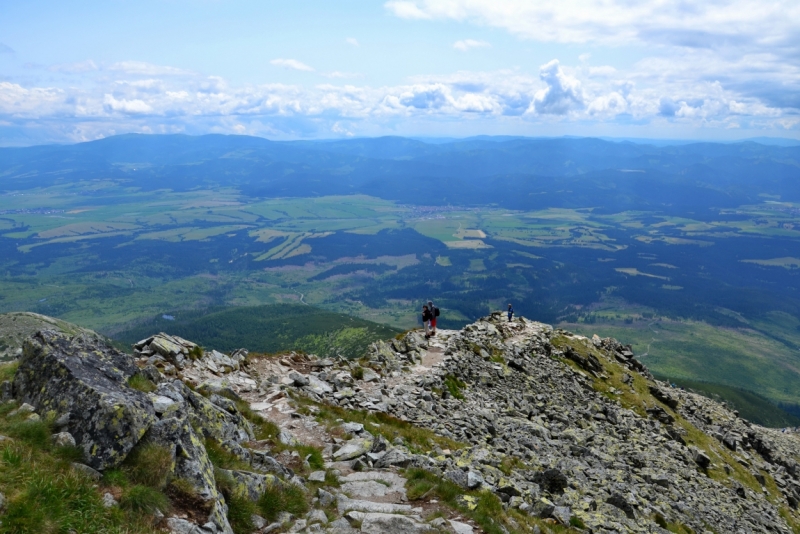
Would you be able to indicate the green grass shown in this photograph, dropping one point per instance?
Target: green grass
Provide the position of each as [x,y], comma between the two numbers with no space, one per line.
[8,370]
[141,383]
[483,507]
[751,406]
[758,356]
[454,386]
[46,495]
[240,507]
[283,498]
[379,423]
[144,500]
[269,329]
[222,458]
[149,464]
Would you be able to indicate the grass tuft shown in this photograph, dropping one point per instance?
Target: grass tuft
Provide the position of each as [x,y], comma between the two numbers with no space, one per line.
[149,465]
[144,500]
[282,498]
[240,507]
[141,383]
[454,386]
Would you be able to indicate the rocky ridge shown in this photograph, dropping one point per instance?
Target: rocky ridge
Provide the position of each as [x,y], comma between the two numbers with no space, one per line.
[559,428]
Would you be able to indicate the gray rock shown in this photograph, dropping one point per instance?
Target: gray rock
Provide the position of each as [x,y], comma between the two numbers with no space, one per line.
[325,498]
[25,409]
[562,514]
[353,428]
[317,476]
[6,391]
[345,504]
[86,470]
[2,502]
[109,500]
[63,439]
[89,380]
[177,525]
[474,480]
[352,449]
[461,528]
[258,521]
[393,457]
[316,516]
[298,379]
[379,523]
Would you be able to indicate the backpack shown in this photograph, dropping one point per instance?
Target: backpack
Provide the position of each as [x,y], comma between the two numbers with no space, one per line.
[435,311]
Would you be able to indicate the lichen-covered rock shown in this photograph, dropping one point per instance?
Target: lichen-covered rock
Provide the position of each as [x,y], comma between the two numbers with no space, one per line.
[215,421]
[191,464]
[87,378]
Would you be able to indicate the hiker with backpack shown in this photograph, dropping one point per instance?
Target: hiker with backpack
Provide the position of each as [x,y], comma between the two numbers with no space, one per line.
[510,313]
[426,320]
[434,314]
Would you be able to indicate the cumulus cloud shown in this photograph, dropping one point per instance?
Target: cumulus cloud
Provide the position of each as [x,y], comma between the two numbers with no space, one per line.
[5,49]
[562,94]
[352,41]
[469,44]
[291,64]
[503,101]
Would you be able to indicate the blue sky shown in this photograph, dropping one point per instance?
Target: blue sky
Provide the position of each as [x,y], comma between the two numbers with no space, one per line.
[717,69]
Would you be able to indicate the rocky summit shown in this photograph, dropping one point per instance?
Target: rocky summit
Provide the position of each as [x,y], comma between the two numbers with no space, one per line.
[499,427]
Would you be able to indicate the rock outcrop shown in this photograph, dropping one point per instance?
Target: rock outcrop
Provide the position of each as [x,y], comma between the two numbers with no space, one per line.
[559,428]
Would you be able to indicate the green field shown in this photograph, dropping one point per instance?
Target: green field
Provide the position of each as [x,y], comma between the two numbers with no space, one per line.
[110,257]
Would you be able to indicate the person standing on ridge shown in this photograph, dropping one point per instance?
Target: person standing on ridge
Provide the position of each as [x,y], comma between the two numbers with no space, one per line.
[426,320]
[434,314]
[510,313]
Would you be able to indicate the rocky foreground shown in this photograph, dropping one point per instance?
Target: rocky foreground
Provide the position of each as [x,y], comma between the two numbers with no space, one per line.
[562,429]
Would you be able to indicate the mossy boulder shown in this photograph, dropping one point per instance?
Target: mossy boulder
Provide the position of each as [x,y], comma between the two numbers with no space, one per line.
[85,379]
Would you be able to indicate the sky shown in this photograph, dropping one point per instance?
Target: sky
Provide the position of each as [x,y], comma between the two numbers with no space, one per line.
[319,69]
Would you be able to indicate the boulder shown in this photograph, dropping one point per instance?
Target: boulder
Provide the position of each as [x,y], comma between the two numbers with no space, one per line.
[88,379]
[376,523]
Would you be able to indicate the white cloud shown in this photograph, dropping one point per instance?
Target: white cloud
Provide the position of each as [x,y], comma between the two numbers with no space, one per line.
[291,64]
[659,92]
[562,94]
[131,107]
[469,44]
[699,24]
[75,68]
[342,75]
[352,41]
[407,10]
[147,69]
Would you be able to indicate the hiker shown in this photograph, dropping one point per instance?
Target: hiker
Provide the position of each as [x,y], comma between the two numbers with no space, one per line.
[434,314]
[510,313]
[426,320]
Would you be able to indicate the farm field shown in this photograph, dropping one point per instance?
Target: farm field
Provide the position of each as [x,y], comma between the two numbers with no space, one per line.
[704,285]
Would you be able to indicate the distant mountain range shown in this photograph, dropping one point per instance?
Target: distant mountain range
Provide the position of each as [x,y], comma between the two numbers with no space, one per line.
[519,173]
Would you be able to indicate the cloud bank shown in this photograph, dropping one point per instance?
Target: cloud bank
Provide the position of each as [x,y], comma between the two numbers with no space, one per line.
[141,97]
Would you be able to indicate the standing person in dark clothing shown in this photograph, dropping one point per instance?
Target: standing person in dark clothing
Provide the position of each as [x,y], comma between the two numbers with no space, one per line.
[434,314]
[510,313]
[426,320]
